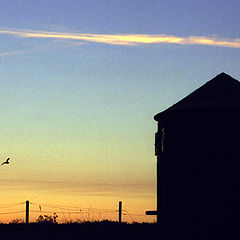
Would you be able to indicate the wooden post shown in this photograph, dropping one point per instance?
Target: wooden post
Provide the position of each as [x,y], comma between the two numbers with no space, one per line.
[27,211]
[120,212]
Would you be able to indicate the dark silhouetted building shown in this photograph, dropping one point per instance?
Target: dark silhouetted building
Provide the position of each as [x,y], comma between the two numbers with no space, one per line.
[198,155]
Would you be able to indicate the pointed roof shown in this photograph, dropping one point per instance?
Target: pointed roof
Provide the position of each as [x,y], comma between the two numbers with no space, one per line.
[223,91]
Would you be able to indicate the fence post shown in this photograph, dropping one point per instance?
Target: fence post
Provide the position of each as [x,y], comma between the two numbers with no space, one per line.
[120,212]
[27,211]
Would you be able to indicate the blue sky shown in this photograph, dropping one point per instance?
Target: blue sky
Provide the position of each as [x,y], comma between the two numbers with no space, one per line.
[169,17]
[82,80]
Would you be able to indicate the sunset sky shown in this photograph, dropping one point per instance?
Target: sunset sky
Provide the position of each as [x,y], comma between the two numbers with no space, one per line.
[80,83]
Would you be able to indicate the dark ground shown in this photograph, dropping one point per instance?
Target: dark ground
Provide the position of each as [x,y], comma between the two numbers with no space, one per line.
[114,230]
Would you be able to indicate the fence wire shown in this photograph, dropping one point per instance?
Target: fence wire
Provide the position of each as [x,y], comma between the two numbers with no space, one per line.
[16,212]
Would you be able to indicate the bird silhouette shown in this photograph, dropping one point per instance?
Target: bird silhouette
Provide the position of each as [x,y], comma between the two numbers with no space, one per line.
[6,162]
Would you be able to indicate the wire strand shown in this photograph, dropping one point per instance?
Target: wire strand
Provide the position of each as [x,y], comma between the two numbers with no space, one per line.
[10,205]
[11,212]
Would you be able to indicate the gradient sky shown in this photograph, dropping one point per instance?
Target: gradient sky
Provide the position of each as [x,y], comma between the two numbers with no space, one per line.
[81,81]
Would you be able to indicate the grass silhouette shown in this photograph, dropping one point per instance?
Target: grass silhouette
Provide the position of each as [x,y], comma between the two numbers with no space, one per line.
[106,229]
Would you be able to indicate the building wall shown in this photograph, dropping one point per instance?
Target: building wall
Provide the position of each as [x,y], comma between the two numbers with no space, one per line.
[199,169]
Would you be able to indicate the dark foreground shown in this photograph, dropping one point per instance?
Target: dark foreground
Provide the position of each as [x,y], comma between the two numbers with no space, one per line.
[114,230]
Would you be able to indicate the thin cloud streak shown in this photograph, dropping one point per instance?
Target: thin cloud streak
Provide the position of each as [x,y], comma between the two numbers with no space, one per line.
[57,45]
[12,53]
[127,39]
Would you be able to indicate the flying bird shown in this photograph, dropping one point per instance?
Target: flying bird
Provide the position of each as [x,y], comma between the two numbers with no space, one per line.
[6,162]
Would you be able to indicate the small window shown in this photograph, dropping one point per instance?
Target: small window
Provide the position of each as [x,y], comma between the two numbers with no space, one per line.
[159,141]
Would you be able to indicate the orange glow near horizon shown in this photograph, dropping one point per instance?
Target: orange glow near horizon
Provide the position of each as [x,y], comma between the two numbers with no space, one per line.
[73,206]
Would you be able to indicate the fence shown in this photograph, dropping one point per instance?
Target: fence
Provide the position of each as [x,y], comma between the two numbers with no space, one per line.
[30,211]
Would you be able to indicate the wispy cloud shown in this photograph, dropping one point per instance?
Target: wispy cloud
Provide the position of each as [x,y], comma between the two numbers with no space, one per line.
[127,39]
[12,53]
[41,48]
